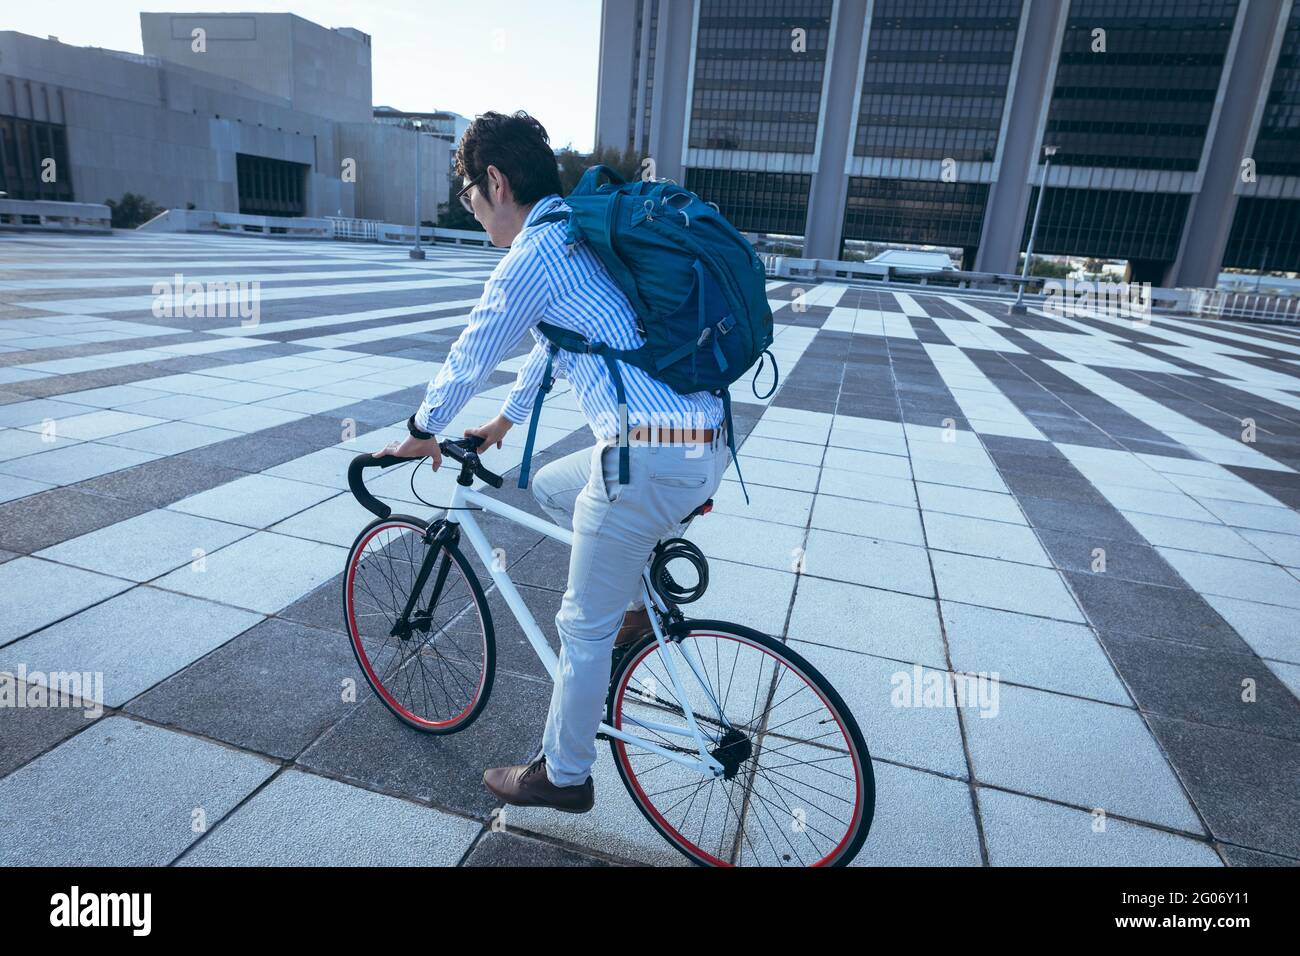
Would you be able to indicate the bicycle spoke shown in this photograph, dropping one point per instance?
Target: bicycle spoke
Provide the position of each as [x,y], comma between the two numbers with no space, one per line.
[431,664]
[779,803]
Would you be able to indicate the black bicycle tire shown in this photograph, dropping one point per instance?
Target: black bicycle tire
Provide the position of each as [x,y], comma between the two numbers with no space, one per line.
[783,650]
[485,615]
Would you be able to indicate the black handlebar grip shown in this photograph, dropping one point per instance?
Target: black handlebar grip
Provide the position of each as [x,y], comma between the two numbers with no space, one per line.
[358,485]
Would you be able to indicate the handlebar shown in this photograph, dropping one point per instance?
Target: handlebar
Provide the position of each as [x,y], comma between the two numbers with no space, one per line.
[463,450]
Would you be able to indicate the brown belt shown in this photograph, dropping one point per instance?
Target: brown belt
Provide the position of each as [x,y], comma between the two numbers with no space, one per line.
[646,434]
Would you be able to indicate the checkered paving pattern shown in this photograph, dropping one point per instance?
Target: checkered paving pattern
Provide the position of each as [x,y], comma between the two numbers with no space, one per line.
[1099,512]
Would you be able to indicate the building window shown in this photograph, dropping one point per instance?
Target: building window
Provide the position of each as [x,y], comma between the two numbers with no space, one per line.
[25,145]
[1277,148]
[270,187]
[915,212]
[752,90]
[1146,101]
[636,72]
[755,202]
[1265,234]
[1108,224]
[935,80]
[650,75]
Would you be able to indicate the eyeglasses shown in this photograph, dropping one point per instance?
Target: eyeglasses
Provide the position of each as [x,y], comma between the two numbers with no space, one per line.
[463,195]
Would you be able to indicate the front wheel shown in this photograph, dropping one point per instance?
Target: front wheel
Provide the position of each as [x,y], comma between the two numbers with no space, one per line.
[798,788]
[431,665]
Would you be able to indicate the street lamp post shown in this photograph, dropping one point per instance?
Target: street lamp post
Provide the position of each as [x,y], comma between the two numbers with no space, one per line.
[416,251]
[1018,307]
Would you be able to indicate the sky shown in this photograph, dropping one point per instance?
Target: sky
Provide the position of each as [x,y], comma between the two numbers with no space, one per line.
[467,56]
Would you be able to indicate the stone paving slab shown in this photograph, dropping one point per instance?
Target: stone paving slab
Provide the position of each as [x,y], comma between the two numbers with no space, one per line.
[146,546]
[300,819]
[134,640]
[121,793]
[238,693]
[38,593]
[1079,752]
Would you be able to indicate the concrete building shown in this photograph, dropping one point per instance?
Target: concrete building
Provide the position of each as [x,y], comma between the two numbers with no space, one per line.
[318,71]
[921,122]
[273,117]
[442,125]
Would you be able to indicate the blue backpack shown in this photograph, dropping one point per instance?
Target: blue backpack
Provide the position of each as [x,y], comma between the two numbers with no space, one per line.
[656,239]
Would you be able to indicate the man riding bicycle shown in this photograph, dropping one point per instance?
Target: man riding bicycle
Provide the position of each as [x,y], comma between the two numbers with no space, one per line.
[677,445]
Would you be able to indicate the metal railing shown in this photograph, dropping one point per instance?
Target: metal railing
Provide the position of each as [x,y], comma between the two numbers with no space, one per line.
[820,270]
[372,230]
[1248,306]
[355,230]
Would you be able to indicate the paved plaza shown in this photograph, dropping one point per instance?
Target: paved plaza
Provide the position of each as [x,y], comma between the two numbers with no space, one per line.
[1097,516]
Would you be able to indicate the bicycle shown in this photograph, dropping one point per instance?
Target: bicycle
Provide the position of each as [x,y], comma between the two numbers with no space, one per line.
[427,649]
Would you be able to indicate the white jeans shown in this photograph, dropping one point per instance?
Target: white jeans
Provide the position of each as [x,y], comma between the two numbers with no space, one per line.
[615,528]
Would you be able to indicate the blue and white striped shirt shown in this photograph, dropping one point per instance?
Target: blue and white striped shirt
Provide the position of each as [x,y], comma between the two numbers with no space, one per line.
[535,281]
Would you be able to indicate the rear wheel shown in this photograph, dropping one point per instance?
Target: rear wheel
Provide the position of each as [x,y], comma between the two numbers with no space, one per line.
[798,788]
[434,668]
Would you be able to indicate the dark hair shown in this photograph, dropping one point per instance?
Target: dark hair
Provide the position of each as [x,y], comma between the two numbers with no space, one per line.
[518,146]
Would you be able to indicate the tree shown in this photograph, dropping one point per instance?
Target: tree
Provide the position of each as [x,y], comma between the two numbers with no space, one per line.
[131,211]
[1048,269]
[452,215]
[573,164]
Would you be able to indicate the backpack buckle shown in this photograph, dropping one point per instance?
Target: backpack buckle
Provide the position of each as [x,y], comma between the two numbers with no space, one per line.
[726,324]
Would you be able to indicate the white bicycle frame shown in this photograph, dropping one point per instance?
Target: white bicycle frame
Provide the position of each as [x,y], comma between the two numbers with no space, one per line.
[705,763]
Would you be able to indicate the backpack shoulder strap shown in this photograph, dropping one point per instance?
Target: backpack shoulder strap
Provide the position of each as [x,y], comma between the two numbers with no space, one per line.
[548,380]
[572,341]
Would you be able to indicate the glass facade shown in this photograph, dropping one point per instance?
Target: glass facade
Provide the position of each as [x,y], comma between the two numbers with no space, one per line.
[916,212]
[754,201]
[1135,90]
[1265,234]
[24,146]
[753,88]
[649,76]
[1108,223]
[1146,101]
[636,77]
[935,80]
[270,187]
[1277,147]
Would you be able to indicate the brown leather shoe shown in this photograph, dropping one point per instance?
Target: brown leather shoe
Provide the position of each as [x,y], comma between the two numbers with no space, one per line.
[635,624]
[527,785]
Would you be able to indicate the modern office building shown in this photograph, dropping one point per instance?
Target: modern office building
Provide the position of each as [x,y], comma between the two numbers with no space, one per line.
[264,114]
[921,122]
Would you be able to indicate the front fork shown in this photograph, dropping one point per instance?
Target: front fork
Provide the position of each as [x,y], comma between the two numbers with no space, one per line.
[438,534]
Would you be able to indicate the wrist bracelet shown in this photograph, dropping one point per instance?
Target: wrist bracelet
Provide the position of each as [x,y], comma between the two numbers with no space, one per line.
[415,430]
